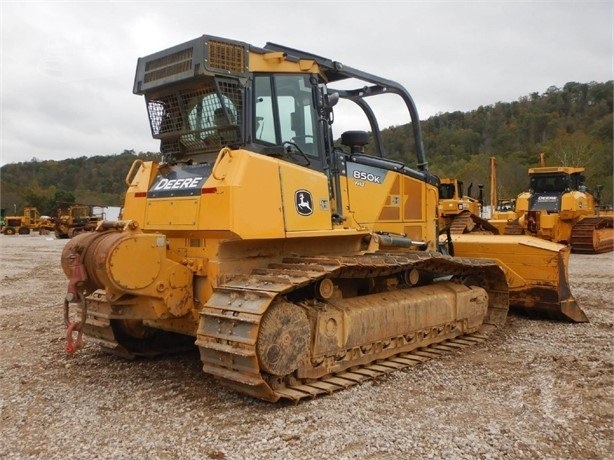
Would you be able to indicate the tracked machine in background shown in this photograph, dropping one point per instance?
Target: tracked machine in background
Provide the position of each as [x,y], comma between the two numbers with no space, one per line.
[297,268]
[558,207]
[460,213]
[73,219]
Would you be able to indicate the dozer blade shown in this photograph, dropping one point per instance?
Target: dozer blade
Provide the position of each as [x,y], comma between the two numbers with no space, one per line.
[536,272]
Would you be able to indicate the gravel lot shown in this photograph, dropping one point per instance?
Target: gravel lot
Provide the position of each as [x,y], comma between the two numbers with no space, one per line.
[538,389]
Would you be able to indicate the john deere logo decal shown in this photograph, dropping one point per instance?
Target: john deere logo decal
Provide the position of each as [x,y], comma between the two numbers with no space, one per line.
[303,202]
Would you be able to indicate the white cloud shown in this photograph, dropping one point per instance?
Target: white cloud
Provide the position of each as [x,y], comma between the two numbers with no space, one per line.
[67,68]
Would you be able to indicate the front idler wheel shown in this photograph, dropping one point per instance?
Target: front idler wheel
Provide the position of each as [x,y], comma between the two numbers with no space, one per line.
[283,339]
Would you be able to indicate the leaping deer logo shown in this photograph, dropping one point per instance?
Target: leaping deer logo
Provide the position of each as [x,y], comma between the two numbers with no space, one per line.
[304,202]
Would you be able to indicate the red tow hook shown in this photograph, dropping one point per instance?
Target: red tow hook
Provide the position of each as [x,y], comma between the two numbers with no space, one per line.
[77,277]
[73,345]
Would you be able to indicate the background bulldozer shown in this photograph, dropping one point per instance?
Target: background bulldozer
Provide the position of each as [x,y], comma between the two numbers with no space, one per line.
[296,266]
[558,207]
[73,219]
[460,213]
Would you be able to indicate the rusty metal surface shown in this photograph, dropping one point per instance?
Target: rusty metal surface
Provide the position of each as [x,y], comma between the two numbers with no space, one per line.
[250,319]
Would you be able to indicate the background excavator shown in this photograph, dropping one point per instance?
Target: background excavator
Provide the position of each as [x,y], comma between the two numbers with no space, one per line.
[296,266]
[559,207]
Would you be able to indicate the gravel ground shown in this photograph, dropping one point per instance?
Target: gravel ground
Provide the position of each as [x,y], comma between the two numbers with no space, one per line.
[538,389]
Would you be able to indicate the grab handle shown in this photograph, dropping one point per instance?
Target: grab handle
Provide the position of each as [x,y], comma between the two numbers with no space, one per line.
[132,171]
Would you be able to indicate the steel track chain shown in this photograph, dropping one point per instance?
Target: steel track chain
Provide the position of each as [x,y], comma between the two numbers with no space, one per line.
[228,331]
[373,371]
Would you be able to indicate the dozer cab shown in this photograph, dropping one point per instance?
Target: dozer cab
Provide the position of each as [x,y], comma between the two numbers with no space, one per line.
[296,267]
[559,207]
[460,213]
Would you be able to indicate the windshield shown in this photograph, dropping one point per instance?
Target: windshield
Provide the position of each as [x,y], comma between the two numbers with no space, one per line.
[291,97]
[446,191]
[549,183]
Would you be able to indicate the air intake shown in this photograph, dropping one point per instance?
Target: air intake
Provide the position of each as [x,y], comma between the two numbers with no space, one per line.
[203,56]
[231,57]
[166,66]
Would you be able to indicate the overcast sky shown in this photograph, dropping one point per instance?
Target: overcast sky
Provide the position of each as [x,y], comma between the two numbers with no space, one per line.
[67,68]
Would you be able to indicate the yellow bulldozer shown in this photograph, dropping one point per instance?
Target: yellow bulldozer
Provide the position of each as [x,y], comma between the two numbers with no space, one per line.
[30,220]
[559,207]
[296,267]
[460,213]
[73,219]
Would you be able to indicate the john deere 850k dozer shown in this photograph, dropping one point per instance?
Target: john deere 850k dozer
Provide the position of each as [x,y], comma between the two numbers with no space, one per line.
[296,266]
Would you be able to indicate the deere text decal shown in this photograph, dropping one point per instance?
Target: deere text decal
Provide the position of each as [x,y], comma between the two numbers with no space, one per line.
[545,202]
[184,180]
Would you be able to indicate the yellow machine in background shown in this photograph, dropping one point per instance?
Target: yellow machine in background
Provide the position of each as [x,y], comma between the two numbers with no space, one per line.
[73,219]
[558,207]
[31,220]
[296,267]
[460,213]
[503,213]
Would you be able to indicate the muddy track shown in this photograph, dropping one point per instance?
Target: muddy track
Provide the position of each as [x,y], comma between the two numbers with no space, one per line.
[232,320]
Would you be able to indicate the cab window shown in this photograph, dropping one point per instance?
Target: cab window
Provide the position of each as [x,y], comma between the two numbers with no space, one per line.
[552,184]
[285,112]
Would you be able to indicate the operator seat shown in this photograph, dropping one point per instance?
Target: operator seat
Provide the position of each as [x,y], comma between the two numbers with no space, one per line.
[355,140]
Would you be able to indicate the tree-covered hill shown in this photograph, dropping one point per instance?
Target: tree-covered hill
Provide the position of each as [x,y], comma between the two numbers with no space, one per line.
[572,126]
[96,180]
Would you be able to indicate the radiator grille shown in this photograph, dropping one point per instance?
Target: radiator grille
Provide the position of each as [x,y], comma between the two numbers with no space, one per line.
[167,66]
[226,56]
